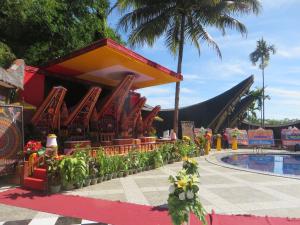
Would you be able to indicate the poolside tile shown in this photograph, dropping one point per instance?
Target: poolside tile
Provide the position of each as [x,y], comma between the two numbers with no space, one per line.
[148,182]
[242,194]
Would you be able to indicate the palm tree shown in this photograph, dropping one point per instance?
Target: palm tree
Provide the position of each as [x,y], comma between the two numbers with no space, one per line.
[256,104]
[262,53]
[180,21]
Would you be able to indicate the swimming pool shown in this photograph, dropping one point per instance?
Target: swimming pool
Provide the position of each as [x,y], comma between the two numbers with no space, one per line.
[272,163]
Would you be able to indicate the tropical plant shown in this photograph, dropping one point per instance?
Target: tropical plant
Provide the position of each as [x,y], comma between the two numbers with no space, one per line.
[157,159]
[165,151]
[183,198]
[80,171]
[39,31]
[142,158]
[262,54]
[257,94]
[180,21]
[53,172]
[101,163]
[66,168]
[190,166]
[92,168]
[200,142]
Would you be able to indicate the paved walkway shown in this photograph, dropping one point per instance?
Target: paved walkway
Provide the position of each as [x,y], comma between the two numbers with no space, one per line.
[227,191]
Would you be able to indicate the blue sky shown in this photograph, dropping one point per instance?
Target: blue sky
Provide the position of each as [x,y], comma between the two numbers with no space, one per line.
[207,76]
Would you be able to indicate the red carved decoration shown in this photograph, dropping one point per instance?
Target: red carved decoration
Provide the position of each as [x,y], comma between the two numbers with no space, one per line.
[82,113]
[48,114]
[129,117]
[109,113]
[148,120]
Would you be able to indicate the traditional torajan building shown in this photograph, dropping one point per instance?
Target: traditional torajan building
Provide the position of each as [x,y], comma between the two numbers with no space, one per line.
[90,94]
[225,110]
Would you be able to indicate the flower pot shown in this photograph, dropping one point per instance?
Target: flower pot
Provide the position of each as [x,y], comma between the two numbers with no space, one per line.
[126,173]
[134,171]
[100,179]
[79,185]
[130,171]
[68,187]
[54,188]
[94,181]
[109,176]
[114,175]
[120,174]
[139,170]
[87,182]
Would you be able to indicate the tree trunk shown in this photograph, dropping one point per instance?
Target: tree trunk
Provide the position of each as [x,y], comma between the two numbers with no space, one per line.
[179,65]
[263,93]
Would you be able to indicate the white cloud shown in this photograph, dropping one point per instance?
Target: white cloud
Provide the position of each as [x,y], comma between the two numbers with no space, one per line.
[185,90]
[278,3]
[158,90]
[194,78]
[284,93]
[289,52]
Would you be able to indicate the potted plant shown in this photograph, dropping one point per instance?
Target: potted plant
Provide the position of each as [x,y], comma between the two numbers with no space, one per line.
[101,164]
[54,176]
[158,160]
[93,171]
[183,198]
[66,169]
[80,171]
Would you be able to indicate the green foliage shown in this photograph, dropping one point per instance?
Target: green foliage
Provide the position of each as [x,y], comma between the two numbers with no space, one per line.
[53,172]
[190,166]
[183,198]
[102,163]
[92,168]
[158,160]
[186,149]
[6,55]
[38,31]
[166,152]
[262,53]
[67,167]
[179,22]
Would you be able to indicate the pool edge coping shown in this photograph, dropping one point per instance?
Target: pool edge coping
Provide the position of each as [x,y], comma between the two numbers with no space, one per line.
[217,161]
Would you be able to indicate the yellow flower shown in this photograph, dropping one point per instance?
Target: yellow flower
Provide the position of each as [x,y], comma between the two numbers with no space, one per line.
[193,161]
[185,158]
[182,183]
[186,138]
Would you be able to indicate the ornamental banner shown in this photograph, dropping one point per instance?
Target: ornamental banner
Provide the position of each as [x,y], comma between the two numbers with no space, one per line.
[290,137]
[261,137]
[187,128]
[242,136]
[11,137]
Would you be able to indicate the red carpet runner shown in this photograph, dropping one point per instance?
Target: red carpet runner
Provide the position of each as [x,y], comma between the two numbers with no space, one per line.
[118,213]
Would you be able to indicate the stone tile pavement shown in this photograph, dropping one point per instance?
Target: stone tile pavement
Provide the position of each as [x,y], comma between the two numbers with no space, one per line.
[226,190]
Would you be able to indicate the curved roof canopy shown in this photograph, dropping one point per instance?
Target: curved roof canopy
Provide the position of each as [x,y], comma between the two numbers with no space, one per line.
[107,62]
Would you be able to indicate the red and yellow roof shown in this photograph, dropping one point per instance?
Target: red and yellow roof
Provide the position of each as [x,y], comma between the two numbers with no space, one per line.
[107,62]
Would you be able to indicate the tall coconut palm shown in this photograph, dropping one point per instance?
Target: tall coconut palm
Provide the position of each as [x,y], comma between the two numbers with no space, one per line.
[262,54]
[180,21]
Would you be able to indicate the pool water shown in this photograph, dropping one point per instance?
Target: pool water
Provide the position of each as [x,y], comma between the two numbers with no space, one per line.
[273,163]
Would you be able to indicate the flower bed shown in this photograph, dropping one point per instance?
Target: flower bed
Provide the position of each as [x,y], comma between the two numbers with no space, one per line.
[83,168]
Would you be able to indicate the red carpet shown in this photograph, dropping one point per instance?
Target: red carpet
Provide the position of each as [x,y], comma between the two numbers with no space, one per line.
[118,213]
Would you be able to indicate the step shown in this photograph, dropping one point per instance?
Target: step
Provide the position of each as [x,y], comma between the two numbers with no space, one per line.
[40,173]
[34,183]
